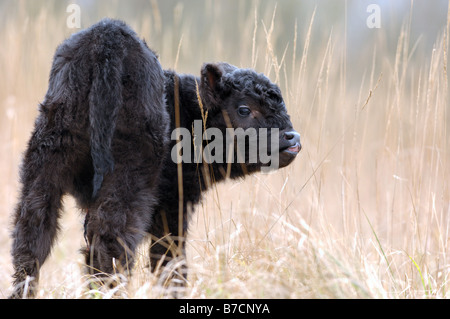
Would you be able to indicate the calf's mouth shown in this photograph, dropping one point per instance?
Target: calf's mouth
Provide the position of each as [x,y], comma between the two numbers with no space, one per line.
[290,146]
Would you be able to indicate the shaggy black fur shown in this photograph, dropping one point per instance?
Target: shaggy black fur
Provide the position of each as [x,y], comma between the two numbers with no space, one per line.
[103,136]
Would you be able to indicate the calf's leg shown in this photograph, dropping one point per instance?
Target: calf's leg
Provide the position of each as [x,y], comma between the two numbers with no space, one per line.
[35,218]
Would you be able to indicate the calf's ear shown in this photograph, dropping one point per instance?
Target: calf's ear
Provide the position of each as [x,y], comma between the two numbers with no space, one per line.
[212,86]
[211,75]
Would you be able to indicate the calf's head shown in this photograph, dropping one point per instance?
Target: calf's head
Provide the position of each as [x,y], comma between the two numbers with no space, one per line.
[252,105]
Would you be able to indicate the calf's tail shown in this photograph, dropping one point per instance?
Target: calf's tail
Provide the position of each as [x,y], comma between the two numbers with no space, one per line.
[105,99]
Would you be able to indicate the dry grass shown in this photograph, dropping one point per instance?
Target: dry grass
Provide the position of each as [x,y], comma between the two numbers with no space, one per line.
[362,213]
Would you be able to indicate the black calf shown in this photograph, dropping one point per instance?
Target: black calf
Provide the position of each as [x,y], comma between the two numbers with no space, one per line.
[103,136]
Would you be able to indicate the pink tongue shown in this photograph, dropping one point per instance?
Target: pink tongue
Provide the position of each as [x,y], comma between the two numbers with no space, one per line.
[294,149]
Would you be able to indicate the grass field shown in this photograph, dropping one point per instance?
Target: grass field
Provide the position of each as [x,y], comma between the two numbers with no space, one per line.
[363,212]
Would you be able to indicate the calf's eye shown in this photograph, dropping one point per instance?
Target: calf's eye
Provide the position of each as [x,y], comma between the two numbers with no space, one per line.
[244,111]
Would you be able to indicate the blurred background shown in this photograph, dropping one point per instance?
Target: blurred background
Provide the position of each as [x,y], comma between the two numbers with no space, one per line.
[364,210]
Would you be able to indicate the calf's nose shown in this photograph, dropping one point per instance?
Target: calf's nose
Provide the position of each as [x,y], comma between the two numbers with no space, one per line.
[293,139]
[292,136]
